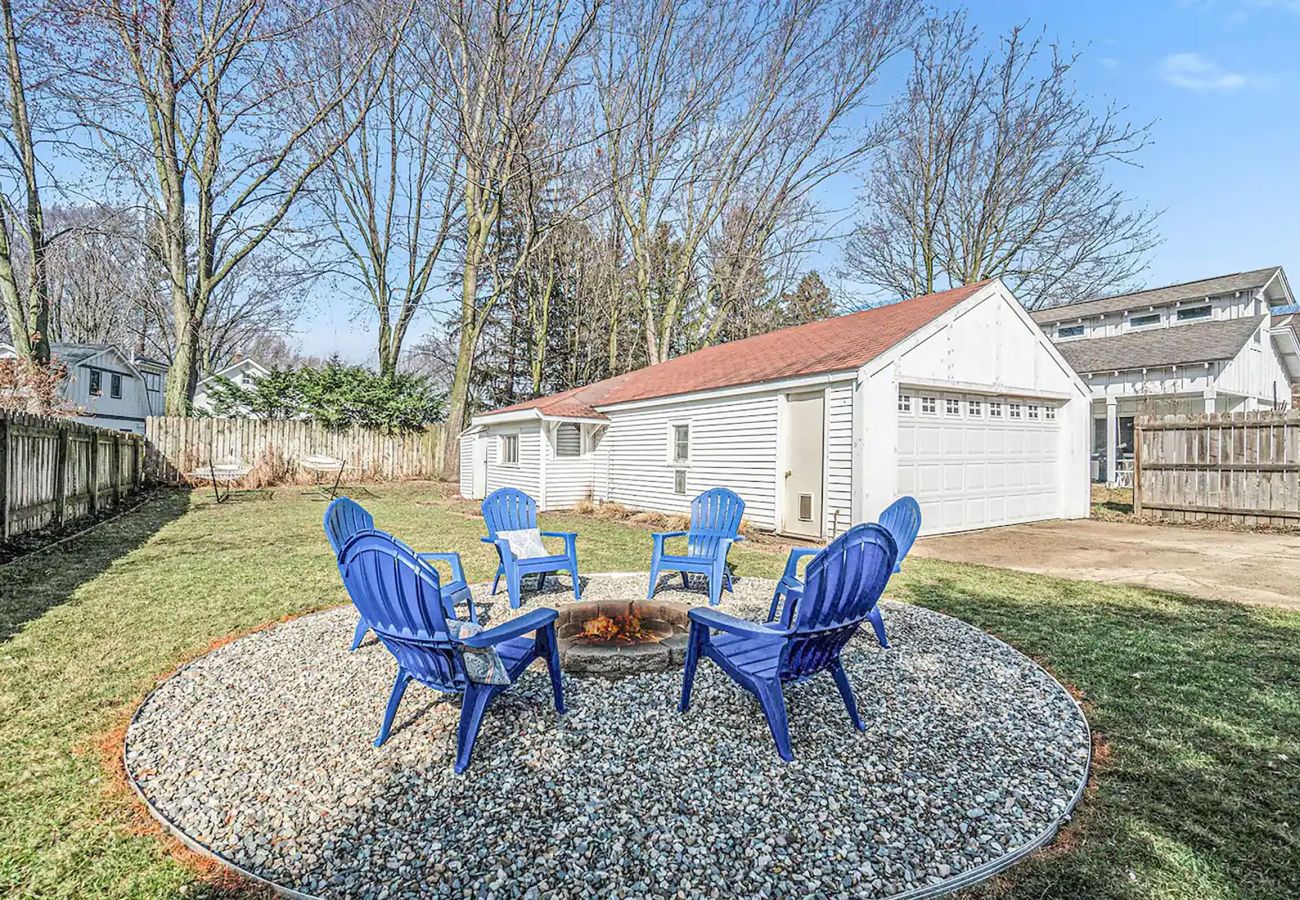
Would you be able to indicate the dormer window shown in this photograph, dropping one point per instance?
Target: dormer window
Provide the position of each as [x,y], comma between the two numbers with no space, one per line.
[1069,331]
[1145,320]
[1192,313]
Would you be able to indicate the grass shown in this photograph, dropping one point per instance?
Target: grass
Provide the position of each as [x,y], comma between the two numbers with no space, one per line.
[1197,703]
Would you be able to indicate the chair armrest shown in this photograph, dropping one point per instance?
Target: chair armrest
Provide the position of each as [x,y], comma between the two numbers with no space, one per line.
[502,545]
[452,559]
[737,539]
[570,539]
[661,536]
[720,621]
[529,621]
[792,562]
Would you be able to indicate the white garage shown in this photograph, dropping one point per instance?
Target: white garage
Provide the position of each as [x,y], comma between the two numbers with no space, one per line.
[957,398]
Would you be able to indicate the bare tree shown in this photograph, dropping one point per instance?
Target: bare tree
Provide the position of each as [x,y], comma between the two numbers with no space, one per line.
[707,106]
[510,65]
[389,193]
[27,306]
[189,104]
[998,167]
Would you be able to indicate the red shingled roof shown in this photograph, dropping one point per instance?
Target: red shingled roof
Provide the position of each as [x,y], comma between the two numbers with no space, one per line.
[839,344]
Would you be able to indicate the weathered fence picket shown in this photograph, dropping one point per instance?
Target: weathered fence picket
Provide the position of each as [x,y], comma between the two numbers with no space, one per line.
[1240,468]
[55,470]
[180,445]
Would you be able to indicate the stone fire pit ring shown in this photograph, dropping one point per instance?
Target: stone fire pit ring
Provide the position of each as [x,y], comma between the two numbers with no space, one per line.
[667,621]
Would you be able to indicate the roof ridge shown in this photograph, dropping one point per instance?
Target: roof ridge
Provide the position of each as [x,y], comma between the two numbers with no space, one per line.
[1159,287]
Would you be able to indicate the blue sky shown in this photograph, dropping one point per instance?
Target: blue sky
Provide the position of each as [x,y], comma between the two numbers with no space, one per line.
[1218,79]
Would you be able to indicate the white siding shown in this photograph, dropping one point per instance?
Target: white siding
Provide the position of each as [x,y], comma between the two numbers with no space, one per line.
[467,464]
[526,475]
[1257,371]
[733,445]
[568,478]
[838,505]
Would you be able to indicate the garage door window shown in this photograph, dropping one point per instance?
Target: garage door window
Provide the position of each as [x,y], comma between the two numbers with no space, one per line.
[952,406]
[929,406]
[1049,412]
[974,409]
[904,403]
[995,409]
[1013,410]
[1033,410]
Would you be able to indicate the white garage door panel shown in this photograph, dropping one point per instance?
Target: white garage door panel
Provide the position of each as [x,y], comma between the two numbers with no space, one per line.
[971,469]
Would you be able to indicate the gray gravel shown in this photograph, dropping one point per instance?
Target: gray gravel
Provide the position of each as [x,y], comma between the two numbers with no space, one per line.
[262,751]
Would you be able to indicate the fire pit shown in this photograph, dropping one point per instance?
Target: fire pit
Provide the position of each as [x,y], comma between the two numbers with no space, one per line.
[615,638]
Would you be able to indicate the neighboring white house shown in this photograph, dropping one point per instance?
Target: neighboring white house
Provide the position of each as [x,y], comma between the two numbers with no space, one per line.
[957,398]
[107,387]
[1213,345]
[244,373]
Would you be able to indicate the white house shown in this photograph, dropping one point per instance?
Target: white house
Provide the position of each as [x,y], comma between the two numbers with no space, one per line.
[107,387]
[957,398]
[244,373]
[1214,345]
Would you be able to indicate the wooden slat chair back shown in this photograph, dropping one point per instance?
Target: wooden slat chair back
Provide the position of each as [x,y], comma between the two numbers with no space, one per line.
[716,515]
[843,587]
[400,596]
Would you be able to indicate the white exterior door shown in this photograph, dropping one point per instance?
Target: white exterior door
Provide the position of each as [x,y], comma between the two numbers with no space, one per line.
[803,428]
[479,470]
[975,461]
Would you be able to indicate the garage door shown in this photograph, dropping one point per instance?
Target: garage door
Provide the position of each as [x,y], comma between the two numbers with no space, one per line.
[974,460]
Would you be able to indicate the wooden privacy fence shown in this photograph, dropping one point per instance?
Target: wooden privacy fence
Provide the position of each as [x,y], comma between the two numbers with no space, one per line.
[179,445]
[55,470]
[1242,468]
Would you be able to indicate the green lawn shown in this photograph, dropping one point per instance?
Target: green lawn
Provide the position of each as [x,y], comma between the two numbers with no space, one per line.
[1198,704]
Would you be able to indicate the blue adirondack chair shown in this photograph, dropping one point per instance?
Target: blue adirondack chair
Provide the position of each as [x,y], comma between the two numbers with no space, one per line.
[345,517]
[844,582]
[510,509]
[902,519]
[399,595]
[715,526]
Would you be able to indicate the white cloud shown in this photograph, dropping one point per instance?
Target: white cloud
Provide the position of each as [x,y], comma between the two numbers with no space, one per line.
[1108,62]
[1194,72]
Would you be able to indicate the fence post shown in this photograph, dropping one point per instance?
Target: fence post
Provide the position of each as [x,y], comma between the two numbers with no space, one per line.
[4,477]
[94,472]
[61,472]
[115,471]
[1138,435]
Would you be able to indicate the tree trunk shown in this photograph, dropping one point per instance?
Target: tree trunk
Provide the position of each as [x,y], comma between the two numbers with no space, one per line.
[458,397]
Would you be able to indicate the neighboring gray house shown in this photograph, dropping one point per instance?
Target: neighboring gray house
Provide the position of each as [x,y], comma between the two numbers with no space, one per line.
[1214,345]
[107,387]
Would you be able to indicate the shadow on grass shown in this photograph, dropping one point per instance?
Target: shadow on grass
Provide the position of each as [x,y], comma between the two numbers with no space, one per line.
[33,584]
[1200,704]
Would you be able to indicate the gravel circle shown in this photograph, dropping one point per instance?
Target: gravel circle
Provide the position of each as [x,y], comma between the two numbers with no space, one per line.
[261,752]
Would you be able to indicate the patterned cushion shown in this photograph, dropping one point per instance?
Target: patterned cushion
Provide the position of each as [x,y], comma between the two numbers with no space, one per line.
[525,543]
[483,666]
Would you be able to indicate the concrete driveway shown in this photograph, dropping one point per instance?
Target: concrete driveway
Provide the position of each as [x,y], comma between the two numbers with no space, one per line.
[1218,565]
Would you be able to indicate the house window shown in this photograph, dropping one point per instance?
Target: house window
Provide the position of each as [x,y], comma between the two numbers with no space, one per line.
[115,386]
[509,449]
[679,481]
[96,383]
[1144,320]
[929,406]
[995,409]
[1013,410]
[952,406]
[1069,331]
[974,408]
[568,440]
[1049,412]
[1033,410]
[1193,312]
[904,403]
[681,448]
